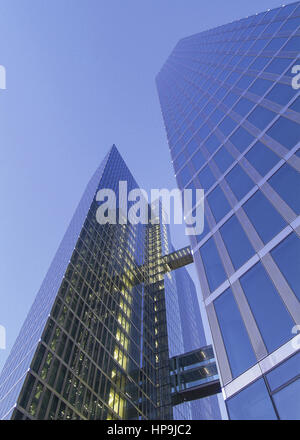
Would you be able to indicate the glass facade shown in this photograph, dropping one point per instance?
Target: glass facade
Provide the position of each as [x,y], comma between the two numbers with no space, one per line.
[228,99]
[97,341]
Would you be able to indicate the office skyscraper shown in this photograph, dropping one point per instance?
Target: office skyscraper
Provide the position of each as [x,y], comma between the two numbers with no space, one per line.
[98,339]
[231,107]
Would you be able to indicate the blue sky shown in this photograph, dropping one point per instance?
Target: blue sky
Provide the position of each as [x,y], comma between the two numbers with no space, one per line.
[80,77]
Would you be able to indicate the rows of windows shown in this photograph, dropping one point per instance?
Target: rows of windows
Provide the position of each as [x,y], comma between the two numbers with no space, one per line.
[265,304]
[274,396]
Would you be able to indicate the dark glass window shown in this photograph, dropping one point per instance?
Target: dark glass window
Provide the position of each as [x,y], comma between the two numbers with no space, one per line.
[236,242]
[236,340]
[286,132]
[270,313]
[260,86]
[287,258]
[239,182]
[276,44]
[261,117]
[218,203]
[281,93]
[223,159]
[278,65]
[286,182]
[252,403]
[266,220]
[214,269]
[227,125]
[287,401]
[243,106]
[284,372]
[192,146]
[198,160]
[262,158]
[185,176]
[241,139]
[206,178]
[293,44]
[296,105]
[212,143]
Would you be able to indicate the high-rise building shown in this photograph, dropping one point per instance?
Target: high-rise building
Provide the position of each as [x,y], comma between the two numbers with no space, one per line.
[231,108]
[100,336]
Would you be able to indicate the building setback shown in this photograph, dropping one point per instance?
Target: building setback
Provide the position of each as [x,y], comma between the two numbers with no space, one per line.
[231,108]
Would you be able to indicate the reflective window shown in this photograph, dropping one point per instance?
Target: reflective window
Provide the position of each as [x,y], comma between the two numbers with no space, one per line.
[287,401]
[260,86]
[270,313]
[243,106]
[275,44]
[278,65]
[214,269]
[223,159]
[266,220]
[293,44]
[198,160]
[241,139]
[287,258]
[218,203]
[286,182]
[206,178]
[235,337]
[281,93]
[262,158]
[227,125]
[236,242]
[296,105]
[284,372]
[212,143]
[192,146]
[286,132]
[244,82]
[239,182]
[261,117]
[185,176]
[252,403]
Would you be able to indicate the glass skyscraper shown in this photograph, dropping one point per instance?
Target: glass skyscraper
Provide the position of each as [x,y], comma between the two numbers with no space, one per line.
[231,108]
[98,339]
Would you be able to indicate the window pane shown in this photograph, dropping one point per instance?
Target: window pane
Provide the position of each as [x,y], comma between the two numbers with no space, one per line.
[261,117]
[198,160]
[286,132]
[281,93]
[223,159]
[271,316]
[284,372]
[253,403]
[184,176]
[287,258]
[286,182]
[206,178]
[241,139]
[278,65]
[236,241]
[212,143]
[238,347]
[214,269]
[260,86]
[239,182]
[266,220]
[218,203]
[243,106]
[262,158]
[287,401]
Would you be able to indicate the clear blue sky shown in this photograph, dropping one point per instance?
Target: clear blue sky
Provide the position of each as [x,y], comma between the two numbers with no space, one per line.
[80,77]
